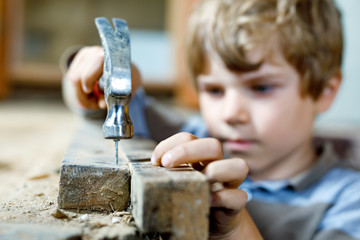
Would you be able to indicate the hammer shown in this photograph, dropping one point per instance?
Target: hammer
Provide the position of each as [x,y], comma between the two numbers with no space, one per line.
[116,79]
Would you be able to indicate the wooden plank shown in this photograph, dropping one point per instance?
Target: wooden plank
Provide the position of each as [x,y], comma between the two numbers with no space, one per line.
[173,202]
[89,178]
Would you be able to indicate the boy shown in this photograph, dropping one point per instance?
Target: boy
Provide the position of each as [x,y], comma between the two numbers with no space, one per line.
[263,70]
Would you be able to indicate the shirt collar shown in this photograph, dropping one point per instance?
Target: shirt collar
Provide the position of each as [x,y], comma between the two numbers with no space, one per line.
[326,160]
[266,185]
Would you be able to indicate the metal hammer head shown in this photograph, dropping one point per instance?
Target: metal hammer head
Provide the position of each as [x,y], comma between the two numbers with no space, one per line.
[116,78]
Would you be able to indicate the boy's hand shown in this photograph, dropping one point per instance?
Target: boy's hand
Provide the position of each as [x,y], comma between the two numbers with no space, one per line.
[226,175]
[84,72]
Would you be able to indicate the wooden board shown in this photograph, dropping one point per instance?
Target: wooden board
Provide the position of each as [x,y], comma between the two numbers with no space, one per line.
[172,201]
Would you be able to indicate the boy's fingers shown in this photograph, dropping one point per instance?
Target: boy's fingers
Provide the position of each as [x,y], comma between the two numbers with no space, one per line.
[93,70]
[170,143]
[75,69]
[83,73]
[232,199]
[231,172]
[84,99]
[199,150]
[87,67]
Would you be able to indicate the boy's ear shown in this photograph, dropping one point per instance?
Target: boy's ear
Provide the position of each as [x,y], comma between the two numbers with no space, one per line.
[329,93]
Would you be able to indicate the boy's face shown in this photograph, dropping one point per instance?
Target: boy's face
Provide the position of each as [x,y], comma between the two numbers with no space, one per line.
[259,115]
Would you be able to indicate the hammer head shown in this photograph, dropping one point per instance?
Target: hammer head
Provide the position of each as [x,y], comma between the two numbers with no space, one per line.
[116,78]
[118,124]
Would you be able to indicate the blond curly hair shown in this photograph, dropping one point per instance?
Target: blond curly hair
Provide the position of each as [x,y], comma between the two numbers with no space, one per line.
[309,34]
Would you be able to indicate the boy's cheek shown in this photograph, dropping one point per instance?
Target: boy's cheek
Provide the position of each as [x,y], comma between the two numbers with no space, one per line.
[272,125]
[212,119]
[208,114]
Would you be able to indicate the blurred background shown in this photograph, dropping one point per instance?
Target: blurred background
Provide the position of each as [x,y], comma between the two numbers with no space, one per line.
[345,109]
[35,33]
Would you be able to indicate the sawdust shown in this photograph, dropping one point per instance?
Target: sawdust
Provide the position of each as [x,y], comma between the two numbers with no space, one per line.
[33,141]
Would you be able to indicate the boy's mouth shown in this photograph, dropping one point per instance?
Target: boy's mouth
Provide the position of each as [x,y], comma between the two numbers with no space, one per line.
[239,145]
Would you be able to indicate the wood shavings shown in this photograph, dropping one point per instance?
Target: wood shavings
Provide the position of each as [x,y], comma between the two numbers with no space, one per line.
[115,220]
[127,219]
[40,176]
[84,217]
[59,214]
[97,225]
[122,213]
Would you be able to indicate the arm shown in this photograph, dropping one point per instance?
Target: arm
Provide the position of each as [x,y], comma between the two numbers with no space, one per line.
[228,219]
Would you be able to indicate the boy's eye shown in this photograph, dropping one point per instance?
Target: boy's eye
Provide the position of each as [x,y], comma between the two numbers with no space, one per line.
[215,91]
[262,88]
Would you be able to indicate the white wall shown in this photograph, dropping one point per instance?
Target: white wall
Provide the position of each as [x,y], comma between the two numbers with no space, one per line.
[152,52]
[346,109]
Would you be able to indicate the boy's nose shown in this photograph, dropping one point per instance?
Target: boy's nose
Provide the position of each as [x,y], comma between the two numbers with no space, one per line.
[235,109]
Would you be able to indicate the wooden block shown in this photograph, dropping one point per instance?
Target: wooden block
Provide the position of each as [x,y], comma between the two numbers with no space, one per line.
[89,177]
[171,201]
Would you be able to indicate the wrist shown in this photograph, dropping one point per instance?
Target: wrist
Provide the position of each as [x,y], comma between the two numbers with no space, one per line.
[244,228]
